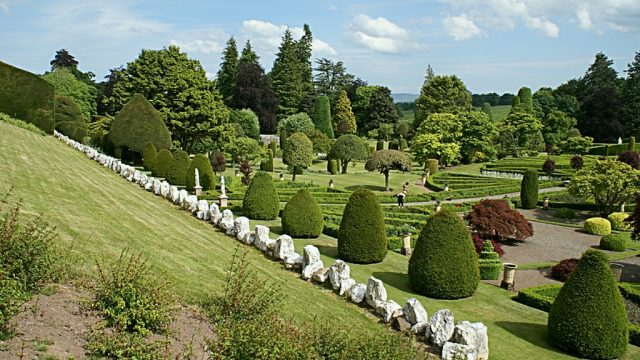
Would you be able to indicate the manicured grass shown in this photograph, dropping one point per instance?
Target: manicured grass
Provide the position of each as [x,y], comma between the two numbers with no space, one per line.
[101,213]
[500,112]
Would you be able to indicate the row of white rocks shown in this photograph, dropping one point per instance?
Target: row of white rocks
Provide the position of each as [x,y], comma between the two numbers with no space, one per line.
[461,341]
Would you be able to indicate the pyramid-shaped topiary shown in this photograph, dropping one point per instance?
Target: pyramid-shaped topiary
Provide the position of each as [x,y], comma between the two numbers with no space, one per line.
[302,216]
[162,163]
[444,263]
[207,179]
[588,316]
[69,120]
[138,123]
[177,172]
[149,155]
[261,199]
[362,237]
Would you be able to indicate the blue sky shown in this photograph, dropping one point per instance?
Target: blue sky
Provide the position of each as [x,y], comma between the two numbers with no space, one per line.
[493,45]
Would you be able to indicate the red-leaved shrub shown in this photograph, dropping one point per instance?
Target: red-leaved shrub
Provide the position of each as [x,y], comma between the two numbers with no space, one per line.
[478,242]
[495,220]
[562,271]
[631,158]
[549,166]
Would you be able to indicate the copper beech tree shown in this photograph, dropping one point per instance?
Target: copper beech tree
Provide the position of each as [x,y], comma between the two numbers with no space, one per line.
[495,220]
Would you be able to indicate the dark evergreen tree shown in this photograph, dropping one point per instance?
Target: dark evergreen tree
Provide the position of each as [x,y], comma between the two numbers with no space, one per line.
[529,189]
[63,59]
[286,77]
[253,91]
[631,98]
[227,74]
[441,94]
[248,55]
[381,110]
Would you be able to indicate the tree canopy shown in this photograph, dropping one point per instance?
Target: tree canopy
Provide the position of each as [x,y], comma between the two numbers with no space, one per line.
[441,94]
[298,152]
[386,160]
[226,79]
[348,148]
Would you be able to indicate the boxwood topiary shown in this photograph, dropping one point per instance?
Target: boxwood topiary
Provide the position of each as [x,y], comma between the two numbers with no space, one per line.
[177,172]
[588,316]
[302,216]
[207,179]
[617,220]
[597,226]
[613,242]
[138,123]
[529,189]
[362,237]
[149,156]
[489,262]
[261,199]
[161,165]
[332,166]
[433,166]
[444,263]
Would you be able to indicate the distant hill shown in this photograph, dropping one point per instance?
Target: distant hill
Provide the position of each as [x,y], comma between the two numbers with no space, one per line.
[404,97]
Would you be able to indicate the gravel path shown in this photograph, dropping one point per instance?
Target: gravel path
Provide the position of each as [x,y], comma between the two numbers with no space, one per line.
[527,278]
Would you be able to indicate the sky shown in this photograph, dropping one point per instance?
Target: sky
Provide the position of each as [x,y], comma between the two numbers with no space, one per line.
[492,45]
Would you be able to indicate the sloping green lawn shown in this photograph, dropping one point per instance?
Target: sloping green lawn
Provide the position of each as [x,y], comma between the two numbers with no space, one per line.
[101,213]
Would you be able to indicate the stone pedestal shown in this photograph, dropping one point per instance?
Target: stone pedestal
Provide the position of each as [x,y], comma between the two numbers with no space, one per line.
[545,204]
[198,190]
[223,201]
[406,245]
[438,207]
[508,278]
[331,184]
[616,269]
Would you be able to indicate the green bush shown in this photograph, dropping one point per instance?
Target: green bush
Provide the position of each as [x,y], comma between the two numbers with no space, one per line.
[261,198]
[138,123]
[120,345]
[267,165]
[322,116]
[539,297]
[588,316]
[632,143]
[177,172]
[597,226]
[207,179]
[489,262]
[302,217]
[332,165]
[529,189]
[634,334]
[444,263]
[613,242]
[394,145]
[433,166]
[12,297]
[21,124]
[149,156]
[133,298]
[403,144]
[617,220]
[565,213]
[27,97]
[298,170]
[362,237]
[162,163]
[69,120]
[273,146]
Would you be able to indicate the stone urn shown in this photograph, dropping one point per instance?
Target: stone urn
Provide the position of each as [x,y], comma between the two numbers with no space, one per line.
[406,244]
[509,276]
[545,203]
[438,206]
[331,184]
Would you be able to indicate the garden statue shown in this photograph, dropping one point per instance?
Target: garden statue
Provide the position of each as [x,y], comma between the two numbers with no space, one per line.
[619,140]
[198,188]
[223,189]
[223,196]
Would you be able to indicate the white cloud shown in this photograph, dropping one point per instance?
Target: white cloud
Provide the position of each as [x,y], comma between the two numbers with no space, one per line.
[266,37]
[204,41]
[380,35]
[4,7]
[461,27]
[584,17]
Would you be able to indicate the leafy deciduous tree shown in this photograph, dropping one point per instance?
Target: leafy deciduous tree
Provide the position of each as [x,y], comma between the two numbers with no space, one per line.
[298,152]
[386,160]
[348,148]
[441,94]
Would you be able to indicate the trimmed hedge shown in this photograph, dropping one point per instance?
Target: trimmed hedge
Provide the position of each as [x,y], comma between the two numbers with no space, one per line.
[539,297]
[444,263]
[177,172]
[162,163]
[137,124]
[617,220]
[69,120]
[149,155]
[529,189]
[302,217]
[273,146]
[609,149]
[632,144]
[362,237]
[597,226]
[433,166]
[261,199]
[207,179]
[332,166]
[588,316]
[28,97]
[613,242]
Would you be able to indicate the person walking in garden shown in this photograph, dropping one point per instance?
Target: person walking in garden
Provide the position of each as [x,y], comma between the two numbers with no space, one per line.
[401,196]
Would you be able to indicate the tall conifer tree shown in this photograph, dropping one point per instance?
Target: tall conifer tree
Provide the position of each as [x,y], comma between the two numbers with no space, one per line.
[227,73]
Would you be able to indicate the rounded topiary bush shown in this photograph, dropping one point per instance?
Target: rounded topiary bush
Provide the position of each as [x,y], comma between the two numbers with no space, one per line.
[613,242]
[261,199]
[433,166]
[149,156]
[444,263]
[332,166]
[207,179]
[69,120]
[177,172]
[302,216]
[161,165]
[588,316]
[617,221]
[362,237]
[529,189]
[597,226]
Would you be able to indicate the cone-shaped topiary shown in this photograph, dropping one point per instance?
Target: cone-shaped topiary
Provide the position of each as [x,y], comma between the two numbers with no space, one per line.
[149,156]
[161,165]
[69,120]
[362,237]
[588,316]
[322,116]
[529,189]
[137,123]
[433,166]
[177,172]
[444,263]
[332,166]
[302,216]
[261,199]
[207,179]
